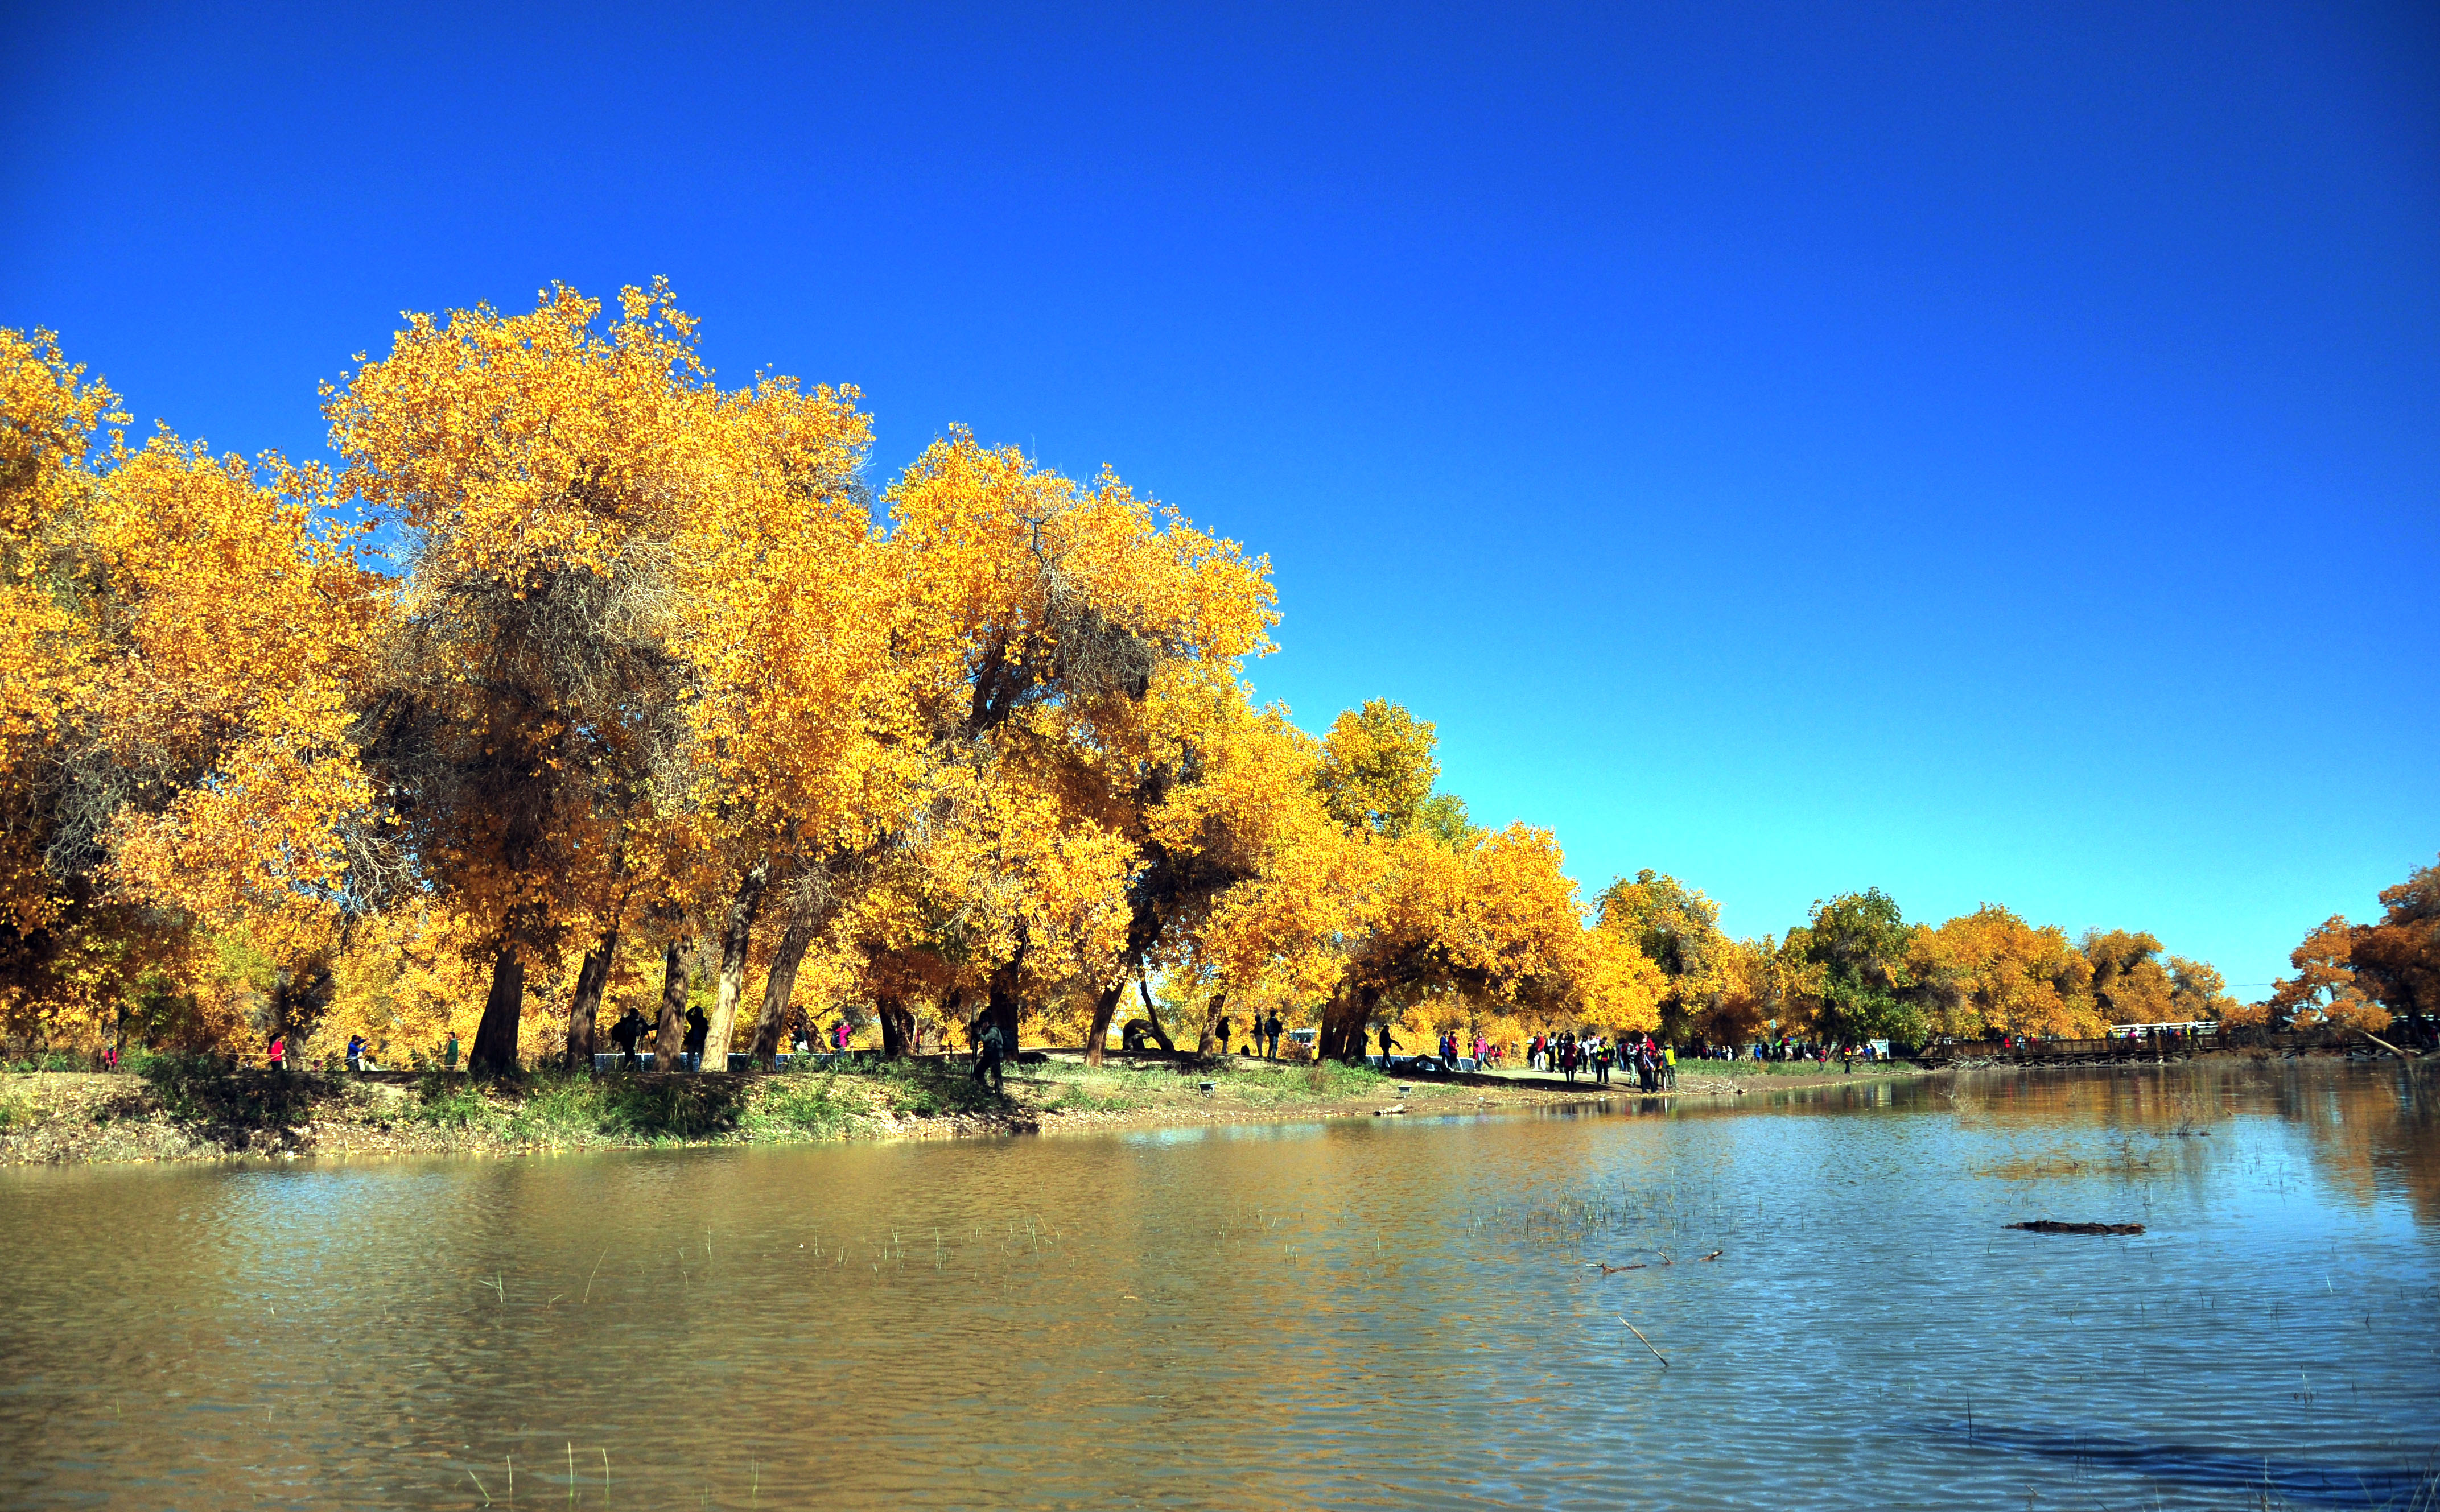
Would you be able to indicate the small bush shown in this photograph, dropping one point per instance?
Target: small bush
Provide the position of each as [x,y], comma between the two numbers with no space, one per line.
[203,1090]
[1078,1098]
[1332,1078]
[674,1106]
[800,1107]
[558,1108]
[923,1091]
[446,1102]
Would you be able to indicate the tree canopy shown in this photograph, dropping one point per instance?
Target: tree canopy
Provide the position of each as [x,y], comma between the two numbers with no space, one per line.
[666,704]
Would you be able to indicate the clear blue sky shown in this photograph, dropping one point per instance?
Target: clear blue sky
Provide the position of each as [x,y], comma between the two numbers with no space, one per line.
[1990,453]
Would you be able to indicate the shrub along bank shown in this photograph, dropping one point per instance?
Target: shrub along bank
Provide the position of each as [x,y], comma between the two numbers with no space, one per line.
[171,1108]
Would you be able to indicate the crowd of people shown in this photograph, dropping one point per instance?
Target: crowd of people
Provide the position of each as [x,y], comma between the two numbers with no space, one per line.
[1568,1053]
[1262,1036]
[1789,1049]
[1653,1064]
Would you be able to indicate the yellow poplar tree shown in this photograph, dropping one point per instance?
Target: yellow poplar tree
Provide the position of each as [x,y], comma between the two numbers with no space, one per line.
[1447,908]
[1037,616]
[531,709]
[1990,972]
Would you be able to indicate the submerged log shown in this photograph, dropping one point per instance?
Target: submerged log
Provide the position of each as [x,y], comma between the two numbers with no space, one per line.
[2053,1226]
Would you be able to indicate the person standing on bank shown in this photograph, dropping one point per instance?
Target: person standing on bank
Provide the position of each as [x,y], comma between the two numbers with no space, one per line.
[698,1034]
[987,1055]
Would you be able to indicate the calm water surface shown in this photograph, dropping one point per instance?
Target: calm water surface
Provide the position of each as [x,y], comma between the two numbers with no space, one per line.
[1378,1314]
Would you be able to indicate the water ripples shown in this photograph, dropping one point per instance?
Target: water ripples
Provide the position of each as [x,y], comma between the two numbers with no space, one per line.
[1369,1314]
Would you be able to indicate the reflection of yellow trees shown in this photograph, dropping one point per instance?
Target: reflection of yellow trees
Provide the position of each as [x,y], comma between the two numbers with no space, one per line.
[2366,1136]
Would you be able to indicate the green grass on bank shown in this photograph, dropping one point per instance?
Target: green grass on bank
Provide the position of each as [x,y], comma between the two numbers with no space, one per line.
[1121,1086]
[573,1108]
[256,1108]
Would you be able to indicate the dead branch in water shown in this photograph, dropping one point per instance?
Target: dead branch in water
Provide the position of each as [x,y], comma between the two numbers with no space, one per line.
[1647,1343]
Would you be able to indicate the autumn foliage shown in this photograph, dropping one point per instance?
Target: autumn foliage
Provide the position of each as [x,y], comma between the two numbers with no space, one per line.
[654,700]
[2364,976]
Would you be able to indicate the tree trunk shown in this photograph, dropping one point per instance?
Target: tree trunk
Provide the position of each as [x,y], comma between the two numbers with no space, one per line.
[669,1040]
[1152,1015]
[897,1025]
[1344,1019]
[1005,1006]
[495,1037]
[585,1009]
[802,926]
[1105,1007]
[736,936]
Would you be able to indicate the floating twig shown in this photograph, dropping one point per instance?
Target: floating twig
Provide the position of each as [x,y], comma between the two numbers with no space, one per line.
[1647,1343]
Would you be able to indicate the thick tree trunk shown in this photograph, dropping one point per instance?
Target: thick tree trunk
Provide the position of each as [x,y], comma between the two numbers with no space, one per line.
[897,1025]
[586,1006]
[1005,1006]
[495,1037]
[1344,1020]
[1105,1007]
[1152,1015]
[669,1038]
[802,926]
[736,937]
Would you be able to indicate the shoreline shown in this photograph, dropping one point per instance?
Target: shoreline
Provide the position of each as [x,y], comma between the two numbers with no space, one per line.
[176,1113]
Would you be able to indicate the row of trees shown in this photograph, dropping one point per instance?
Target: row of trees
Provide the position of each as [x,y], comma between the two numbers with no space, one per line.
[582,682]
[1857,970]
[661,687]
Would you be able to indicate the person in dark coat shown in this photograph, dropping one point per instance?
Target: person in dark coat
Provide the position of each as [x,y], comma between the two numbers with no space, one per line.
[624,1033]
[987,1051]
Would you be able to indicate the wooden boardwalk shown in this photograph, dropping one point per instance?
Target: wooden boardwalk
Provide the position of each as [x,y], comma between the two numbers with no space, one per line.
[2146,1051]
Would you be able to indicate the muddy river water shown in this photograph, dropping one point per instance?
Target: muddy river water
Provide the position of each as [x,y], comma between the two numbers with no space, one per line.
[1377,1312]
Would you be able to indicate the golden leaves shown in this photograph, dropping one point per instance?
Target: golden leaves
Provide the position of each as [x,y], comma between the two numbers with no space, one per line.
[1989,972]
[653,640]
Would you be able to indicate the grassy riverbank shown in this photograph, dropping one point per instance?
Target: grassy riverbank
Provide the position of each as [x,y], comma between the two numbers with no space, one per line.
[172,1110]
